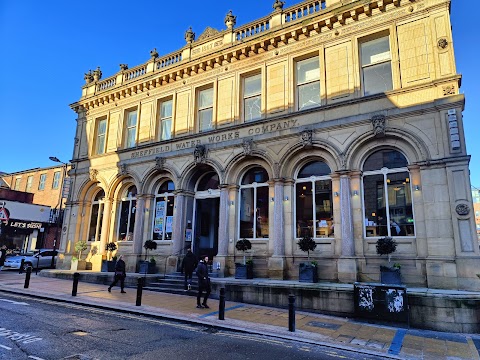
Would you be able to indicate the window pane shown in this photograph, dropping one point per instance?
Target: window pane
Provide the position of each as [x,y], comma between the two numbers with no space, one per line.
[253,85]
[132,220]
[132,119]
[309,95]
[205,119]
[317,168]
[166,109]
[102,127]
[246,213]
[304,209]
[390,159]
[123,222]
[166,129]
[205,98]
[166,187]
[169,219]
[374,51]
[377,78]
[100,144]
[400,205]
[93,222]
[159,219]
[131,135]
[209,181]
[262,212]
[17,184]
[256,174]
[56,180]
[323,200]
[29,183]
[252,108]
[308,70]
[374,204]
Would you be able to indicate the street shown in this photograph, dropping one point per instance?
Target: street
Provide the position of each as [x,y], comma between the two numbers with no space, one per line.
[44,329]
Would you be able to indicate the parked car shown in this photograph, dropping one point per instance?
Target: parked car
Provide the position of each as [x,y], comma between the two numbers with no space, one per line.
[41,259]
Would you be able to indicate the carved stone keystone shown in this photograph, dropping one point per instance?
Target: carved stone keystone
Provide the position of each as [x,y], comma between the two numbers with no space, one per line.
[379,127]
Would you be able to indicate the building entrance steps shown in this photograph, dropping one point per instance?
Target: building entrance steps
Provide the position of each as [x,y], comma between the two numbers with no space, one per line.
[339,332]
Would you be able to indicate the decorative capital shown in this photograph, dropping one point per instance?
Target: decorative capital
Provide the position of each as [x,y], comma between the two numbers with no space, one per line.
[88,77]
[442,43]
[159,163]
[307,138]
[123,67]
[247,147]
[230,20]
[93,174]
[379,125]
[462,209]
[278,5]
[154,53]
[189,36]
[200,154]
[97,74]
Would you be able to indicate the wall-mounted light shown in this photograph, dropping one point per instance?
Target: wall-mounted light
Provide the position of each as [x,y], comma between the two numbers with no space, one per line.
[335,194]
[286,198]
[232,202]
[355,192]
[272,199]
[417,187]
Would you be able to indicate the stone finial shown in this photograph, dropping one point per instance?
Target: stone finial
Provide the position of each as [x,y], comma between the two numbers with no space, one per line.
[379,126]
[200,154]
[278,5]
[88,77]
[189,36]
[307,138]
[97,74]
[123,67]
[230,20]
[154,53]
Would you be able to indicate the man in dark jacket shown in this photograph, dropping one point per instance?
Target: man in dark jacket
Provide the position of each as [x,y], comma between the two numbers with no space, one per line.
[120,274]
[3,255]
[189,264]
[203,282]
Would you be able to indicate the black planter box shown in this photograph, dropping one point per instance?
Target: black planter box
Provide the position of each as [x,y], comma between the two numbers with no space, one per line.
[307,273]
[108,266]
[243,271]
[390,275]
[147,267]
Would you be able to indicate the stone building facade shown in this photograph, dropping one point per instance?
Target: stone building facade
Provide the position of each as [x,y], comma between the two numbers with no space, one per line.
[341,120]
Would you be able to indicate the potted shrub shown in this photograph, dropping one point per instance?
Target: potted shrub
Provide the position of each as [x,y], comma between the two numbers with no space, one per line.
[307,271]
[79,247]
[109,264]
[245,270]
[148,267]
[388,275]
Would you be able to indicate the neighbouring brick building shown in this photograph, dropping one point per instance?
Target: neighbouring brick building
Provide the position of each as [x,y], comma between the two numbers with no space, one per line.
[341,120]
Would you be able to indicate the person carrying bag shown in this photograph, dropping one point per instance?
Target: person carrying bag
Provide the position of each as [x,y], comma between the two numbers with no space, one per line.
[120,274]
[203,283]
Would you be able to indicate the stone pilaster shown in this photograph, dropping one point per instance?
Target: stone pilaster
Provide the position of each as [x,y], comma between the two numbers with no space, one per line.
[223,221]
[276,264]
[138,230]
[107,206]
[178,222]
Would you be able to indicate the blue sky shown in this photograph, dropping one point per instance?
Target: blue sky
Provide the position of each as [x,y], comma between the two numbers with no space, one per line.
[47,46]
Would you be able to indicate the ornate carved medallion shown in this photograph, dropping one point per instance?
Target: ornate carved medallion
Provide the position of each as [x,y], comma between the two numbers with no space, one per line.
[442,43]
[378,122]
[462,209]
[208,33]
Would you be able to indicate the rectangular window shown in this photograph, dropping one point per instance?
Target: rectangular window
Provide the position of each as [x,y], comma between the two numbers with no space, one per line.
[252,97]
[17,183]
[308,83]
[131,129]
[29,184]
[376,66]
[101,135]
[205,110]
[56,180]
[166,120]
[43,180]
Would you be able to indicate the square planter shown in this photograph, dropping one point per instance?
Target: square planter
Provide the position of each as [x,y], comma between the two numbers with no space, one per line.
[108,266]
[307,273]
[243,271]
[147,267]
[390,275]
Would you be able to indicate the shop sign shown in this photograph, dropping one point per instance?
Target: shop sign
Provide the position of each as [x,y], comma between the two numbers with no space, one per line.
[25,224]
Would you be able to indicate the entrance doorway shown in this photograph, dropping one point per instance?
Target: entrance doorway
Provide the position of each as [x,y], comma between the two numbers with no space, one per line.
[206,226]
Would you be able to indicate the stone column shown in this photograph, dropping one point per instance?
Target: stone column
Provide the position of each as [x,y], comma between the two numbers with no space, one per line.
[178,234]
[220,258]
[107,205]
[138,230]
[276,264]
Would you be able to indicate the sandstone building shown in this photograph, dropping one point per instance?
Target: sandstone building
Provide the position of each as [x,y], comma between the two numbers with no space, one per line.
[334,118]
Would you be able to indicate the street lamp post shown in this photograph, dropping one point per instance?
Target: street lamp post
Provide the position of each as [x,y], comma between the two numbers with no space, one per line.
[59,206]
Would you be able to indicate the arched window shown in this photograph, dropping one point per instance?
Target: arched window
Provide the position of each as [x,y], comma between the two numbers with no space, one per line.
[126,222]
[209,181]
[163,212]
[387,195]
[96,217]
[313,201]
[253,216]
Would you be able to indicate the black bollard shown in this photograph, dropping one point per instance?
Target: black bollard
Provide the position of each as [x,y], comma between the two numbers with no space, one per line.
[291,313]
[27,277]
[221,305]
[76,276]
[139,291]
[22,264]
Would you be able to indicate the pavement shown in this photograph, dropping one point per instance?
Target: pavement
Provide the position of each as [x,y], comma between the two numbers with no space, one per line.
[386,341]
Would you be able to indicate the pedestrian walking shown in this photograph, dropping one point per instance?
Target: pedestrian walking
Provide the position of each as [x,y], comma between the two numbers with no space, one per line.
[3,255]
[203,283]
[120,274]
[189,264]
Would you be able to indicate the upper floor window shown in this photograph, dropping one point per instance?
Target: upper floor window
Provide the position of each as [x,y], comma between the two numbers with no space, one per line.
[308,83]
[17,183]
[166,119]
[131,129]
[96,217]
[376,66]
[252,97]
[43,180]
[56,180]
[253,215]
[163,214]
[29,184]
[387,196]
[126,221]
[101,136]
[205,109]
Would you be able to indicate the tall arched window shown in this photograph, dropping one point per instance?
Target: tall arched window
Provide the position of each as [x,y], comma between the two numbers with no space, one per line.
[313,201]
[253,218]
[163,212]
[387,195]
[126,222]
[96,217]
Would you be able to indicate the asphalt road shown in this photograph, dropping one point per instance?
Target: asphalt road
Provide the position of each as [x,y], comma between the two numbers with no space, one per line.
[47,330]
